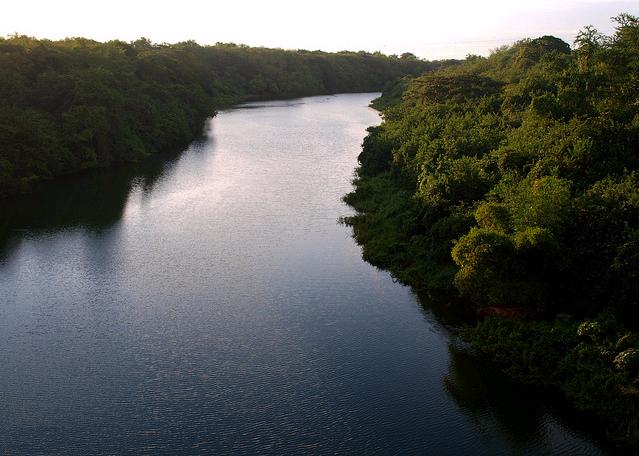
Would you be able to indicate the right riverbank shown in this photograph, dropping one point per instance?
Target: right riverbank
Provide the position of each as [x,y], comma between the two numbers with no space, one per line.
[510,182]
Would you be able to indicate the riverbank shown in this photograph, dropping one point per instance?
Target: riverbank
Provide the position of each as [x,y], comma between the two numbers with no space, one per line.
[77,104]
[592,362]
[504,184]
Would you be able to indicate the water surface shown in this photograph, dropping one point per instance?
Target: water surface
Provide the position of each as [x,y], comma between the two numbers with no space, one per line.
[211,304]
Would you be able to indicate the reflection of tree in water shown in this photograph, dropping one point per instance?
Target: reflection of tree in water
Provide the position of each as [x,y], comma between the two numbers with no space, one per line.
[491,401]
[494,404]
[94,201]
[445,309]
[533,420]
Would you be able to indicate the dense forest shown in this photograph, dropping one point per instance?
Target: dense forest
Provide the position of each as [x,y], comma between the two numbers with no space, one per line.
[75,104]
[513,181]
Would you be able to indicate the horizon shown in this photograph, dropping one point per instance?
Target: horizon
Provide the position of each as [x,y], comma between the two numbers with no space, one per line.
[472,28]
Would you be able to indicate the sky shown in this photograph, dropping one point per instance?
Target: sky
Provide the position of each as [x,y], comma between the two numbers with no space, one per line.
[429,29]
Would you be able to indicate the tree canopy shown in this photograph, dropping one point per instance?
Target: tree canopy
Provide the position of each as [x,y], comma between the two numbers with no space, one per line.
[513,181]
[76,103]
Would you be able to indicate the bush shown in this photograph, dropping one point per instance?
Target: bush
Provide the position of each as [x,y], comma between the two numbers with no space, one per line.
[493,216]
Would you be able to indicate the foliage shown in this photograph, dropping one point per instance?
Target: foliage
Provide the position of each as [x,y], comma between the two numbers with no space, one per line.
[391,94]
[493,216]
[431,89]
[522,173]
[523,166]
[74,104]
[595,363]
[387,227]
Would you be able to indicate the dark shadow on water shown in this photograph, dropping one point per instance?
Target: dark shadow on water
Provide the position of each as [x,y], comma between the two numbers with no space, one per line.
[259,105]
[532,419]
[486,396]
[93,200]
[527,416]
[284,103]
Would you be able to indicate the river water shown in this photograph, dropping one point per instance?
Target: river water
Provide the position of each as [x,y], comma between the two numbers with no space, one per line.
[212,304]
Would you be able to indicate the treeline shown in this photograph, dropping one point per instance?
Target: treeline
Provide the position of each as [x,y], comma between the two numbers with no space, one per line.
[75,104]
[513,181]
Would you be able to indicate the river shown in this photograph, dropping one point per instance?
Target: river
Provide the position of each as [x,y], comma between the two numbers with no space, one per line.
[212,304]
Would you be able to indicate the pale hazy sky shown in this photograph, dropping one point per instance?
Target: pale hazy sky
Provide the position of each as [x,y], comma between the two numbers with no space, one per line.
[430,29]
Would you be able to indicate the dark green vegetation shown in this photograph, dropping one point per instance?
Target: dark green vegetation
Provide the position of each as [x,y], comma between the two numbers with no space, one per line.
[75,104]
[513,180]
